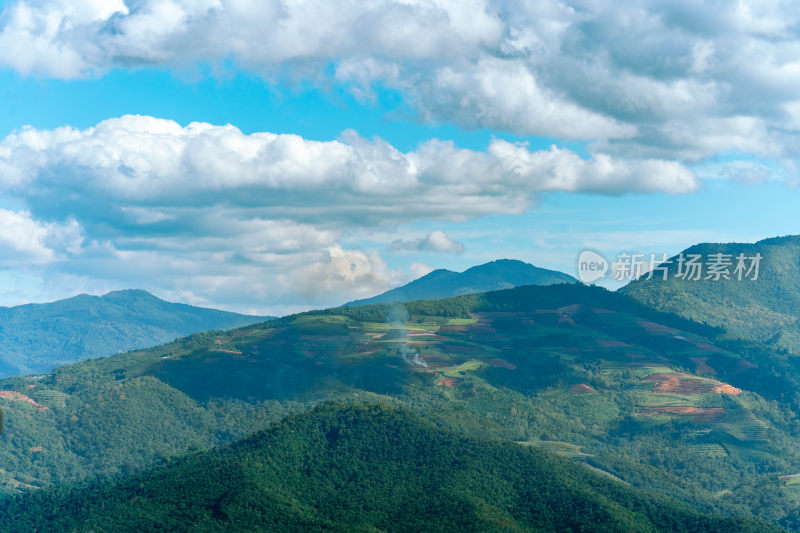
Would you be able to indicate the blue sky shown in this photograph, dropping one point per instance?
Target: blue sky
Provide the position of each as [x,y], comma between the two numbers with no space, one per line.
[270,157]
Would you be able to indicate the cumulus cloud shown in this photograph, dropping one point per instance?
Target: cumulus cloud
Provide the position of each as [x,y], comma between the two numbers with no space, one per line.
[345,273]
[24,240]
[152,172]
[418,269]
[675,80]
[215,213]
[435,241]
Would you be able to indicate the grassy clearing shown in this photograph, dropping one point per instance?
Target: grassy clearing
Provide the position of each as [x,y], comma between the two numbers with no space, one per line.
[460,370]
[564,449]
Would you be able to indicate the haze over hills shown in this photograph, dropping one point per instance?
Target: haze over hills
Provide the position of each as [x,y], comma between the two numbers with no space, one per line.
[442,283]
[765,310]
[354,468]
[38,337]
[660,402]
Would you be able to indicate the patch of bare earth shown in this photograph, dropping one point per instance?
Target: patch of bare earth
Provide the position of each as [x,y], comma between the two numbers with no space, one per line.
[679,383]
[452,329]
[724,388]
[701,365]
[582,388]
[652,327]
[446,382]
[610,343]
[14,395]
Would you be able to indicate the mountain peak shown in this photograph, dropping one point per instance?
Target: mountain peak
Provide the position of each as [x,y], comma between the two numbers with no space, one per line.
[129,294]
[494,275]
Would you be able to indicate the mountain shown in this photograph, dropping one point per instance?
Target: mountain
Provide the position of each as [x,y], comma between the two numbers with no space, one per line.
[38,337]
[363,468]
[765,309]
[442,283]
[655,400]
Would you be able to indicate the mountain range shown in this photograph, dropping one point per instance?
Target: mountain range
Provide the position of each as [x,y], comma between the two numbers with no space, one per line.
[648,399]
[669,405]
[38,337]
[442,283]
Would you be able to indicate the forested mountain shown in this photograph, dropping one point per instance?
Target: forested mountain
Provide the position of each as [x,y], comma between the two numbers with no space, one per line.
[353,468]
[442,283]
[765,309]
[38,337]
[655,400]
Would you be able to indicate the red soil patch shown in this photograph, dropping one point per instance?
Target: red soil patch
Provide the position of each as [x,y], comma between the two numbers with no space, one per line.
[679,383]
[745,365]
[652,327]
[608,343]
[452,329]
[13,395]
[446,382]
[701,364]
[237,352]
[727,389]
[582,388]
[704,346]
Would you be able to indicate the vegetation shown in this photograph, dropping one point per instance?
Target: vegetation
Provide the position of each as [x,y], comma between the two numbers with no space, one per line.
[655,400]
[362,468]
[764,310]
[39,337]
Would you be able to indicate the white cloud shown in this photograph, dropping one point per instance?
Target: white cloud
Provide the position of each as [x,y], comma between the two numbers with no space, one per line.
[435,241]
[418,269]
[146,171]
[227,217]
[26,241]
[645,79]
[345,273]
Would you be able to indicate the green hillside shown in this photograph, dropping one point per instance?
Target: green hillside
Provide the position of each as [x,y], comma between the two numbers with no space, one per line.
[362,468]
[496,275]
[765,310]
[39,337]
[652,399]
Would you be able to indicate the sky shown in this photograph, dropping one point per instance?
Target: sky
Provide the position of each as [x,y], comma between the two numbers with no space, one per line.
[272,156]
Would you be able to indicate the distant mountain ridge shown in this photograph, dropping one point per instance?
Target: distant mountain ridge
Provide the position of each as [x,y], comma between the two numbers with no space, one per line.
[38,337]
[764,310]
[496,275]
